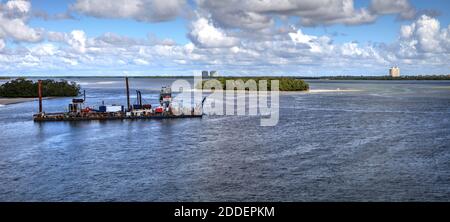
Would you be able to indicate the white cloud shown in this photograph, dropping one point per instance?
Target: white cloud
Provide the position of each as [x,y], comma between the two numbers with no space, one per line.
[235,49]
[140,10]
[56,36]
[401,7]
[445,37]
[427,30]
[299,37]
[45,49]
[204,34]
[17,8]
[140,62]
[77,40]
[351,49]
[2,44]
[18,30]
[315,44]
[406,31]
[260,14]
[13,18]
[189,48]
[425,35]
[284,52]
[72,62]
[334,12]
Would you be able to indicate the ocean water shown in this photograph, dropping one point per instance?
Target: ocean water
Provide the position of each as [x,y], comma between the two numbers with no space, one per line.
[380,141]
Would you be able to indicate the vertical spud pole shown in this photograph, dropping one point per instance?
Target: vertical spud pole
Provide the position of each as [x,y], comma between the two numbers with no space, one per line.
[128,94]
[40,95]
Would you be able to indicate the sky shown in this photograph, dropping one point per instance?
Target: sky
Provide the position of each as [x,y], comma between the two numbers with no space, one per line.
[234,37]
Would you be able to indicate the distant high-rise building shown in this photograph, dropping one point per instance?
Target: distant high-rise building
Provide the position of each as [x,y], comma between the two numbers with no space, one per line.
[394,71]
[213,74]
[205,74]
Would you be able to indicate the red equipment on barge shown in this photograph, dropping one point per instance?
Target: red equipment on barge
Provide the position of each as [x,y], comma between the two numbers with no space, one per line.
[79,112]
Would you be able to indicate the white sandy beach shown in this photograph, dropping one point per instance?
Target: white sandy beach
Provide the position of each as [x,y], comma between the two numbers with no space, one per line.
[331,90]
[7,101]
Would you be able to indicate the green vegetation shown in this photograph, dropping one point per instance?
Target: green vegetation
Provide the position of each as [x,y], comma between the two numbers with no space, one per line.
[285,83]
[22,87]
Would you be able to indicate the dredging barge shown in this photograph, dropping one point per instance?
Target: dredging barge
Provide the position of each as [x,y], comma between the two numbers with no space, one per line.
[78,111]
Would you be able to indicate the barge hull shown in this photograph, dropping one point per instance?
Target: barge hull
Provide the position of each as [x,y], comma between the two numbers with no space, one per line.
[87,118]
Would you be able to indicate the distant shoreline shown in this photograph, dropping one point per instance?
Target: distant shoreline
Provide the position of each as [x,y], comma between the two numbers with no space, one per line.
[431,77]
[420,77]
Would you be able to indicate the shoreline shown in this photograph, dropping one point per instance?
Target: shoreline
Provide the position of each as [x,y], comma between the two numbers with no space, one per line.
[382,77]
[9,101]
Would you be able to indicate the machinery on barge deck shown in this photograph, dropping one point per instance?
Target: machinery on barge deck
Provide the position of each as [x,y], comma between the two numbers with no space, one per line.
[77,110]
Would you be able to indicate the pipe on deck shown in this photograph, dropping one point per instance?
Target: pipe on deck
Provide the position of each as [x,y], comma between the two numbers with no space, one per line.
[139,97]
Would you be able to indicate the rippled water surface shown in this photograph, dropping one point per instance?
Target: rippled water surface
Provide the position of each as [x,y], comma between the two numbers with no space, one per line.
[387,140]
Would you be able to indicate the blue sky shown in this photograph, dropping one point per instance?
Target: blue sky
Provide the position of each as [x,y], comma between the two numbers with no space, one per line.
[178,37]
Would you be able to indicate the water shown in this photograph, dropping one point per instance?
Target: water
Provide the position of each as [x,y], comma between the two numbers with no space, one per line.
[390,141]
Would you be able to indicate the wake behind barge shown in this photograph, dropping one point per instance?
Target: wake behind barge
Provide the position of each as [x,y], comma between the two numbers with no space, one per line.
[78,111]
